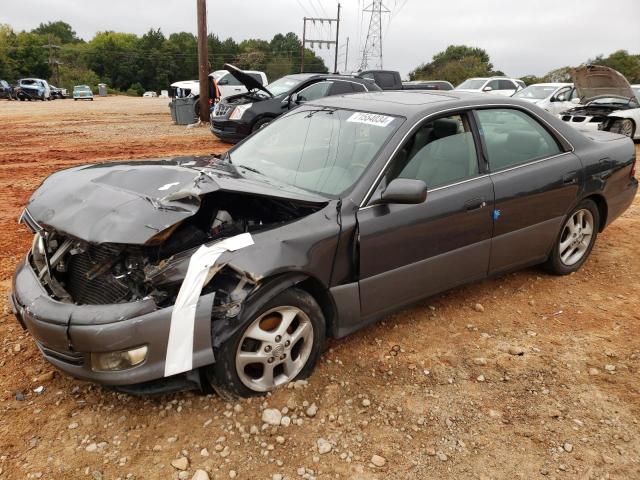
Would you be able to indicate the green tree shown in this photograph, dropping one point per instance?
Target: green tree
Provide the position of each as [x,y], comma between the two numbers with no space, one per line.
[60,30]
[455,64]
[625,63]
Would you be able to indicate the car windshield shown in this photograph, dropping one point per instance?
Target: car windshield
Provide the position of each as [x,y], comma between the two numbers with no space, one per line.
[284,84]
[636,90]
[472,83]
[536,92]
[324,151]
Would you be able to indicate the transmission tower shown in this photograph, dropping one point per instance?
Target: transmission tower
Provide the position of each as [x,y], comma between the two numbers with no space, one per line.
[372,51]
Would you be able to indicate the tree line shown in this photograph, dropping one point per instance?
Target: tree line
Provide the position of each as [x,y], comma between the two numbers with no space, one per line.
[459,62]
[130,63]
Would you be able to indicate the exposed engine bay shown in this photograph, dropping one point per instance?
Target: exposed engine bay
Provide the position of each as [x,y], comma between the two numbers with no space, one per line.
[83,273]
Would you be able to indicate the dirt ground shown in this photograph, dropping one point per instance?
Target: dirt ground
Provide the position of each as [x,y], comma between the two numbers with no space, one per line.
[523,376]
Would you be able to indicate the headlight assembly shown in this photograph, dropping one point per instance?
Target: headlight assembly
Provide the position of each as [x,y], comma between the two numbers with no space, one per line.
[117,361]
[239,111]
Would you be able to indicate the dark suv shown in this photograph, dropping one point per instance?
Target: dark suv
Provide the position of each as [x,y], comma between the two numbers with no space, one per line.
[238,116]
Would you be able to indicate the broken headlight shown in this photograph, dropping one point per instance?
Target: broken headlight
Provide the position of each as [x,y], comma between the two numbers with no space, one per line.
[239,111]
[116,361]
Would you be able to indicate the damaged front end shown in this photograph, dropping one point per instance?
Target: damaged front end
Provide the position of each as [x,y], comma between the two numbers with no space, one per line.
[101,310]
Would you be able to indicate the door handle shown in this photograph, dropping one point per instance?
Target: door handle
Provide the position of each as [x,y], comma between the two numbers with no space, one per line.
[570,178]
[475,204]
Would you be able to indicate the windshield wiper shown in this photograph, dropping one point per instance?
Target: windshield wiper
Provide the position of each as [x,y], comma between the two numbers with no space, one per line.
[251,169]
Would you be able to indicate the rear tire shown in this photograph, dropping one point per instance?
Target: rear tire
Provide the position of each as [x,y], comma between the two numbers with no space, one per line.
[575,240]
[291,328]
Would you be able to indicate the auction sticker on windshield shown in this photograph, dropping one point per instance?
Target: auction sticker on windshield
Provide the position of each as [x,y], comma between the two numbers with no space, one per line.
[371,119]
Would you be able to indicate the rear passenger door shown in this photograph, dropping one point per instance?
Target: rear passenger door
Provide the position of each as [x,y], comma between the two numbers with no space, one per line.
[536,182]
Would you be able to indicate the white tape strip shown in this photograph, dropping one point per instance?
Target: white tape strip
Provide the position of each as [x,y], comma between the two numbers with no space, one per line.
[183,318]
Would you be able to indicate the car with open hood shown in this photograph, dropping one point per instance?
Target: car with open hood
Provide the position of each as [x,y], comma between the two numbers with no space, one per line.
[238,116]
[625,122]
[232,270]
[552,97]
[602,91]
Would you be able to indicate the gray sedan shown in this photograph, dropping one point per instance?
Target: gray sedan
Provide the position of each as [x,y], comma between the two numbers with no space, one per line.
[229,272]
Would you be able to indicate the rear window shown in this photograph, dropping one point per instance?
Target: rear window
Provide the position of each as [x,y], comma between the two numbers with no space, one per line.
[385,79]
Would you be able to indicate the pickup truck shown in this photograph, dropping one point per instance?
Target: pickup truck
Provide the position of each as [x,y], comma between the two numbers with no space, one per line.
[391,80]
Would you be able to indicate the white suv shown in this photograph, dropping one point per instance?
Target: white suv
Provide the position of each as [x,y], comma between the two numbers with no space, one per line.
[494,85]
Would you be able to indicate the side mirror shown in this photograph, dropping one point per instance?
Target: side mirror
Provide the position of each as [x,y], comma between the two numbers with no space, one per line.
[576,101]
[487,89]
[297,99]
[404,191]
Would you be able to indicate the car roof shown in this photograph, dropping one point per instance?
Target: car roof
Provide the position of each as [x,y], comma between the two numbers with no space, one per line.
[410,103]
[550,84]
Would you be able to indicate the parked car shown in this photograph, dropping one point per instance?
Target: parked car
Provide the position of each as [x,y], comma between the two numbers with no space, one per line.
[603,91]
[493,85]
[150,94]
[56,92]
[6,90]
[82,92]
[238,116]
[233,270]
[229,85]
[33,89]
[625,122]
[391,80]
[427,85]
[552,97]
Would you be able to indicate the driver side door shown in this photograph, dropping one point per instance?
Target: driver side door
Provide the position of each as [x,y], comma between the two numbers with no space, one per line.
[408,252]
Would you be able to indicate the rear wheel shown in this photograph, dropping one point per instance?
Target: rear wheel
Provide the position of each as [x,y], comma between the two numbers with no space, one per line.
[281,343]
[576,239]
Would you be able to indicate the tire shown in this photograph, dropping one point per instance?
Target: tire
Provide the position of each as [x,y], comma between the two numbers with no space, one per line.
[628,128]
[261,123]
[304,344]
[575,240]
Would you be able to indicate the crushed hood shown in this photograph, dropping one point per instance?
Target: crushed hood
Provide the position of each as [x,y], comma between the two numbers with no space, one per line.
[130,202]
[246,79]
[596,81]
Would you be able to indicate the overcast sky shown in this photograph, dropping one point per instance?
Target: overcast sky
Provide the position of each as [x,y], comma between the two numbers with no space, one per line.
[522,37]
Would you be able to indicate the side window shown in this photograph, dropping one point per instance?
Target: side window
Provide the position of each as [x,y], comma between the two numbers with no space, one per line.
[339,88]
[506,85]
[494,84]
[358,87]
[229,79]
[313,92]
[386,79]
[574,94]
[513,137]
[441,152]
[368,76]
[563,94]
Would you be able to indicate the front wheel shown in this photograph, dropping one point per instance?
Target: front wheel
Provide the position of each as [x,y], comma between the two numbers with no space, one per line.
[283,342]
[263,122]
[576,239]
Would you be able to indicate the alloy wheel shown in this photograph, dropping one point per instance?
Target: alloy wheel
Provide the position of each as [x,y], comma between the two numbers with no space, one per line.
[576,237]
[274,348]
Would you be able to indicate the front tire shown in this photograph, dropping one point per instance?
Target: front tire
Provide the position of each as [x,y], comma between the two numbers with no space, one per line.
[263,122]
[575,242]
[281,343]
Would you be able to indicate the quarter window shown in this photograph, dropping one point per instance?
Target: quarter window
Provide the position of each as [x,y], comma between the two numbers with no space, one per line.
[339,88]
[441,152]
[512,138]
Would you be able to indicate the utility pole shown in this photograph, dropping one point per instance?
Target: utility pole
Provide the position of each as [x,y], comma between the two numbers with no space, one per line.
[335,63]
[54,63]
[203,62]
[320,42]
[304,41]
[346,56]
